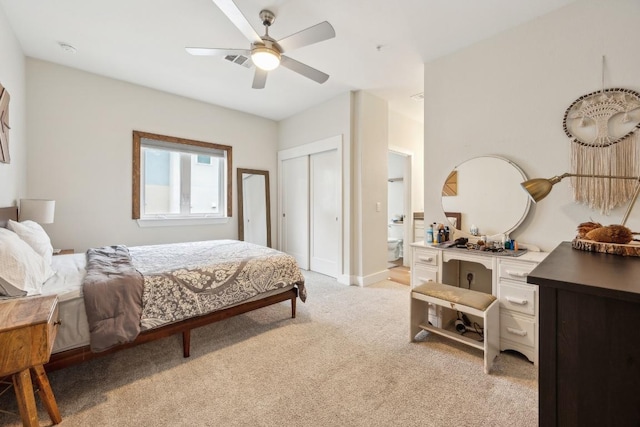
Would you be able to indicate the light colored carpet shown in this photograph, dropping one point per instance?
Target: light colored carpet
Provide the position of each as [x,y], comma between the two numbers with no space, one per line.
[346,360]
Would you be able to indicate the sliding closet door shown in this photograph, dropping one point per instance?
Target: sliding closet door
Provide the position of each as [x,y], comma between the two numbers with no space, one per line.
[295,209]
[310,186]
[325,211]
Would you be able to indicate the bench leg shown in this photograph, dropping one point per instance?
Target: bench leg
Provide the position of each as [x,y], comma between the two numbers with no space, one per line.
[418,312]
[491,335]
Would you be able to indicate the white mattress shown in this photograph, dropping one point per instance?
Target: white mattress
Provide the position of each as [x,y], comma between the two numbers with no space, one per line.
[67,284]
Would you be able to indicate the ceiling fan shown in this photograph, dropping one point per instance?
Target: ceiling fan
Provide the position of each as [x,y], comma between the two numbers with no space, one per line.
[265,52]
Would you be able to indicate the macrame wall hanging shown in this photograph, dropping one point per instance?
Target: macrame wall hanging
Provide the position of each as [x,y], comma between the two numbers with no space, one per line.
[602,126]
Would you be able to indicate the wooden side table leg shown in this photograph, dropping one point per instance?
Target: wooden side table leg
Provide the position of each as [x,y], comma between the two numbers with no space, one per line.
[46,394]
[24,396]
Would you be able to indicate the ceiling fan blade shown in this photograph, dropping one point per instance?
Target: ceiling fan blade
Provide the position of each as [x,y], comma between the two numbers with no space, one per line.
[229,8]
[311,35]
[212,51]
[259,79]
[303,69]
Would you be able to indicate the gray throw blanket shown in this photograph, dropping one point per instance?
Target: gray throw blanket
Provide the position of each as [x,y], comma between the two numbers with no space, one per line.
[112,292]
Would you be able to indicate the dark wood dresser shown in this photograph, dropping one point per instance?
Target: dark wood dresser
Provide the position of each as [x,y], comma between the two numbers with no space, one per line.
[589,336]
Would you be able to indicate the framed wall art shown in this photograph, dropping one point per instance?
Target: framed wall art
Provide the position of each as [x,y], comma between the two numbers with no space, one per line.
[4,125]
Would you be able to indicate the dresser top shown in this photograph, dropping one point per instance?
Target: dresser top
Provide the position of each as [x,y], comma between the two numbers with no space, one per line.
[530,255]
[595,273]
[22,312]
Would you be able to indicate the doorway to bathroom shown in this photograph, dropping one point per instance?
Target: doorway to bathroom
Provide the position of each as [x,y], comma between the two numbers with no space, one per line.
[399,214]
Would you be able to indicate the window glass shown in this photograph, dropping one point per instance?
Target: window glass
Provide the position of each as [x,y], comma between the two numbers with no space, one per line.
[177,178]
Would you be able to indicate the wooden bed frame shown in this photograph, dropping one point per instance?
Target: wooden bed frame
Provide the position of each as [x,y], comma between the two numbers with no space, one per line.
[77,355]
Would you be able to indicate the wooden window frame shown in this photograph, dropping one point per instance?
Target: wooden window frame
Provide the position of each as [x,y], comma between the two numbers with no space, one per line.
[136,163]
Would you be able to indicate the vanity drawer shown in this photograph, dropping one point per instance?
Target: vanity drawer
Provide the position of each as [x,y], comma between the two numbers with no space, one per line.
[517,329]
[425,257]
[423,274]
[515,270]
[515,297]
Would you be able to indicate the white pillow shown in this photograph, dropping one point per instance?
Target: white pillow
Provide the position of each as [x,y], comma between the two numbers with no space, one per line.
[33,233]
[22,270]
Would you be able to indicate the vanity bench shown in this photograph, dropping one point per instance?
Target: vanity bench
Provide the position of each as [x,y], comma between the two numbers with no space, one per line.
[456,299]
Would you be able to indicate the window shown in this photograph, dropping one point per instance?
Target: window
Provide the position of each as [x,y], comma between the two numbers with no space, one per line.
[175,178]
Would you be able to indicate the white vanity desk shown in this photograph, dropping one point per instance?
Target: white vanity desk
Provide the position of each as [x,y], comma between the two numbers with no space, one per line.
[518,299]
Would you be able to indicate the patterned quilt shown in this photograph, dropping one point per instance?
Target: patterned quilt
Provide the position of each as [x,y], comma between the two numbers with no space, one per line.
[190,279]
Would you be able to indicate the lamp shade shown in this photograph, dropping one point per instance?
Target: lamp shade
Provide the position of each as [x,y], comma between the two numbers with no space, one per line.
[537,188]
[265,58]
[38,210]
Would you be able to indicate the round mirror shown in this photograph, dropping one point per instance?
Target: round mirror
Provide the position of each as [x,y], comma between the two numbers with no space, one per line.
[485,192]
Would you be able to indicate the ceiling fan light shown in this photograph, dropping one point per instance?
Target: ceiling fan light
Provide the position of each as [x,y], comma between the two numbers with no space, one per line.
[265,58]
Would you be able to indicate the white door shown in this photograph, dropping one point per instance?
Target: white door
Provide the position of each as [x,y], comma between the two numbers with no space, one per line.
[325,211]
[295,209]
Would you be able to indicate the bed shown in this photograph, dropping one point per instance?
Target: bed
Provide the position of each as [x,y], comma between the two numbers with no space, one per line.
[174,296]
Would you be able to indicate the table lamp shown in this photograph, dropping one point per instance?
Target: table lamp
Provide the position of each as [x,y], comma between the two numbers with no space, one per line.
[38,210]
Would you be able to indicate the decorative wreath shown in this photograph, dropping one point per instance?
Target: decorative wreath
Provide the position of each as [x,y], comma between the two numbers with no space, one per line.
[599,108]
[602,126]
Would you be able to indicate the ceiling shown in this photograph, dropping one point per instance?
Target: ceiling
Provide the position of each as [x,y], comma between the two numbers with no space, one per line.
[380,45]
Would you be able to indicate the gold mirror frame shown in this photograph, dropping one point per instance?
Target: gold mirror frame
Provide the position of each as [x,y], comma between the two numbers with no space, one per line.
[241,202]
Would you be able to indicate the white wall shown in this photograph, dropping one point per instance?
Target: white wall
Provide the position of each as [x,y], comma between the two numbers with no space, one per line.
[507,96]
[13,175]
[368,129]
[407,135]
[80,148]
[371,148]
[329,119]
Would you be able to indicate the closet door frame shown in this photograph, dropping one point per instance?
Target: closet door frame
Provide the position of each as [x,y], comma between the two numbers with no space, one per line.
[328,144]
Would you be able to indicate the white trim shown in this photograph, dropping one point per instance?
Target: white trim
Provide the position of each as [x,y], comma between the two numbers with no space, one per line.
[345,279]
[373,278]
[408,202]
[164,222]
[326,144]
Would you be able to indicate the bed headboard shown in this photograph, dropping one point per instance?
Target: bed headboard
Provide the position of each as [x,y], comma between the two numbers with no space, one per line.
[8,213]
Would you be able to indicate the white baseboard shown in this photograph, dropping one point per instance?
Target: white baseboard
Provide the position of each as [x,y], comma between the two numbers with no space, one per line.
[372,278]
[345,279]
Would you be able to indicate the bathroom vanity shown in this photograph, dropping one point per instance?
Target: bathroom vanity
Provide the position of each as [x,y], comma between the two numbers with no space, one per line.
[506,278]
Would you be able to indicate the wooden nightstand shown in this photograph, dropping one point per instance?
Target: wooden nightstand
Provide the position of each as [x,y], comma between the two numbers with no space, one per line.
[28,328]
[64,252]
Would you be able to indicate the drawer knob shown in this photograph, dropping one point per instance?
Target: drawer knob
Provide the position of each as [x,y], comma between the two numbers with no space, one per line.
[57,322]
[426,259]
[517,332]
[516,273]
[518,301]
[424,279]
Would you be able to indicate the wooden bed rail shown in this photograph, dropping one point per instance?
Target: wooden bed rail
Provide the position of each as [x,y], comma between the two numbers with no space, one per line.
[81,354]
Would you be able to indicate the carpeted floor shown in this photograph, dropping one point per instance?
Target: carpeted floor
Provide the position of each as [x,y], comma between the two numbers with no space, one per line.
[346,360]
